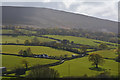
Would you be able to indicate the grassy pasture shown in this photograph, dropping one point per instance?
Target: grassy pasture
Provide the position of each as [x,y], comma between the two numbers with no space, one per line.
[11,39]
[106,53]
[10,62]
[79,40]
[5,31]
[80,66]
[14,49]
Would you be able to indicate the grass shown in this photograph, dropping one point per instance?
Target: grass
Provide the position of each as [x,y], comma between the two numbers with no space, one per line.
[5,31]
[106,53]
[77,67]
[14,49]
[80,66]
[11,39]
[79,40]
[10,62]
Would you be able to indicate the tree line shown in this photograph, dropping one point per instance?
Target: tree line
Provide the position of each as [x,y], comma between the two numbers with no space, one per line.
[104,36]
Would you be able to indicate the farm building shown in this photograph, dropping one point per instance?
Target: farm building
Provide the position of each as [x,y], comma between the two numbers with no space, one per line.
[42,56]
[58,41]
[73,55]
[3,69]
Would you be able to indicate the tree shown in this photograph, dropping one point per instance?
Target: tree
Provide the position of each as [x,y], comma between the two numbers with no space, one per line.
[65,55]
[103,46]
[64,41]
[43,72]
[26,42]
[83,49]
[35,41]
[25,53]
[25,63]
[29,52]
[21,52]
[61,57]
[96,59]
[17,41]
[117,51]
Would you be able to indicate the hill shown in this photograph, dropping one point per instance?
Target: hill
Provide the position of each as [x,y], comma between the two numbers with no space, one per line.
[80,67]
[44,17]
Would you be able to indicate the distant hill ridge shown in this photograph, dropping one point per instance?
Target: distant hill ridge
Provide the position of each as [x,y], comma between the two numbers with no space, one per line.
[44,17]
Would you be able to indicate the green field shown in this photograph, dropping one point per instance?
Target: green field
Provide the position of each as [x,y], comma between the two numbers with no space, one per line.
[14,49]
[10,62]
[11,39]
[106,53]
[79,40]
[5,31]
[77,67]
[80,66]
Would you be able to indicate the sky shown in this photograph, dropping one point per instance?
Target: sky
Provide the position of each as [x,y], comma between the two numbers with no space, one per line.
[105,9]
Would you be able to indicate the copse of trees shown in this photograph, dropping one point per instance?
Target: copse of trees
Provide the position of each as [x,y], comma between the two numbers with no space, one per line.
[103,46]
[43,72]
[64,41]
[26,52]
[96,59]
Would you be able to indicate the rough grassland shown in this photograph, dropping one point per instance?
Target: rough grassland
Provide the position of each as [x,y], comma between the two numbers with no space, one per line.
[79,40]
[10,62]
[80,66]
[21,39]
[14,49]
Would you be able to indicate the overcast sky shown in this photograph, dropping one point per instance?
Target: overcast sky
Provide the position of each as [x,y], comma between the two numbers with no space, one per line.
[105,9]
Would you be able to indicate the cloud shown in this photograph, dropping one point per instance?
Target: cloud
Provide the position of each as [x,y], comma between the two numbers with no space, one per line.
[97,9]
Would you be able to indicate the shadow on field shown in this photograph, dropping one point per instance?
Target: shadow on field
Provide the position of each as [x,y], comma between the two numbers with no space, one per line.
[97,69]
